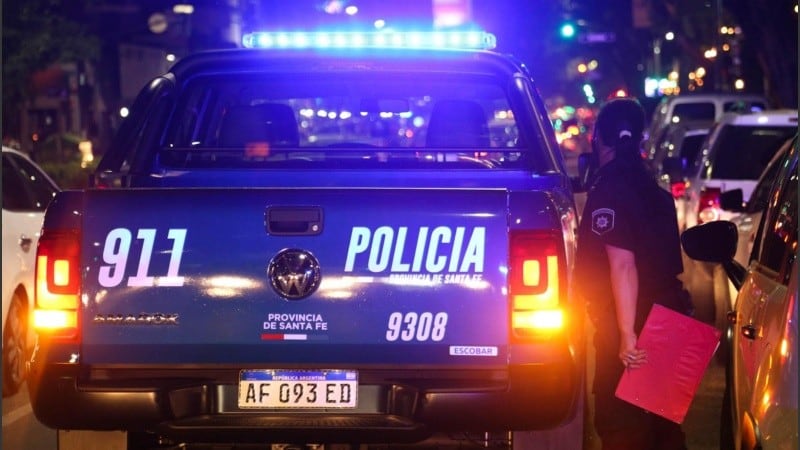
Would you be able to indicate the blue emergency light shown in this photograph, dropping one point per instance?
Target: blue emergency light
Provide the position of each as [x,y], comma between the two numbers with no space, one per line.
[381,39]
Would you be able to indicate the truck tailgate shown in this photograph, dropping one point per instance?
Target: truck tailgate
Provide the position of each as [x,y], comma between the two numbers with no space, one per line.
[295,276]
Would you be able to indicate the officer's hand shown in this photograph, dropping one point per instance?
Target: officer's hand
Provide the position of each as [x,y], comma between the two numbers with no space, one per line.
[631,356]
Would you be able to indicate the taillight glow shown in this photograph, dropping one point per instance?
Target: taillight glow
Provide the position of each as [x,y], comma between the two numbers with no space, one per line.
[708,208]
[57,289]
[678,189]
[534,287]
[48,280]
[55,320]
[61,272]
[532,272]
[552,319]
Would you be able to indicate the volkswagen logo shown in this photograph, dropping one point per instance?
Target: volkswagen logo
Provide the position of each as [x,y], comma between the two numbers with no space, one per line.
[294,274]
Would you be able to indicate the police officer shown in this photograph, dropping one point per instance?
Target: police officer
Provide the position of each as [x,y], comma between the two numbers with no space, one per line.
[628,258]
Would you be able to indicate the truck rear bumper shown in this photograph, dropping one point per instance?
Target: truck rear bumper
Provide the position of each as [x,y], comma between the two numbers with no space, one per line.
[408,409]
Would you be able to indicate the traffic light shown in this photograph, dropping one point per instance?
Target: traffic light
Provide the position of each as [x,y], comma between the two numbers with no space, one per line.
[567,30]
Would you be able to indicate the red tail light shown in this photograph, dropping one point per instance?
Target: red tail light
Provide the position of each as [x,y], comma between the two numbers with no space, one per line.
[535,276]
[708,209]
[57,289]
[678,189]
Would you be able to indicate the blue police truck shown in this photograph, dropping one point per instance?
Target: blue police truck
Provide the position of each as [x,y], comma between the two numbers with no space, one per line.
[320,238]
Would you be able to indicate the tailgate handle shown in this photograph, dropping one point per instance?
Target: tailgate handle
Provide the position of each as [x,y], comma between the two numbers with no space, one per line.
[293,220]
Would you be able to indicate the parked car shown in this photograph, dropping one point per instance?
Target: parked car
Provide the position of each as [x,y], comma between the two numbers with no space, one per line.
[749,212]
[735,153]
[679,140]
[760,401]
[27,191]
[748,216]
[678,147]
[700,107]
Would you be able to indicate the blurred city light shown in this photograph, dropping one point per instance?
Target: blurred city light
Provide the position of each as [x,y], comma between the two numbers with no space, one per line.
[183,8]
[87,156]
[334,7]
[567,30]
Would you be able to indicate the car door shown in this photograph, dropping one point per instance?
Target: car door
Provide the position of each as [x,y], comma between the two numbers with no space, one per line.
[765,312]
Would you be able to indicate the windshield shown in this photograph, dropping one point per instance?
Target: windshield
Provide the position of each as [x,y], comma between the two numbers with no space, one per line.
[340,118]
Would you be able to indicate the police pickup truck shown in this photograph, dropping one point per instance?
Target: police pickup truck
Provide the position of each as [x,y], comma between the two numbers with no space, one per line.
[347,238]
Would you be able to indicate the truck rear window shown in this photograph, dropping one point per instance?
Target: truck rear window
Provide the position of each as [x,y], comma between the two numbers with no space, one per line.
[343,119]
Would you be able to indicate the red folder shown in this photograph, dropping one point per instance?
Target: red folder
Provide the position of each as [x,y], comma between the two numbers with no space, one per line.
[679,349]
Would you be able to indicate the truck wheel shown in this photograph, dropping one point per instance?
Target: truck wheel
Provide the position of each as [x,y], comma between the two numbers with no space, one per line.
[15,346]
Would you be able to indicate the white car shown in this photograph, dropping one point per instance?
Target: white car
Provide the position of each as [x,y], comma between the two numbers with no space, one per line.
[750,211]
[680,142]
[734,154]
[747,218]
[699,107]
[27,191]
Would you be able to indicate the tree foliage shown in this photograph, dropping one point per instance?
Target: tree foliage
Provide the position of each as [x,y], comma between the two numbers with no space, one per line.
[36,35]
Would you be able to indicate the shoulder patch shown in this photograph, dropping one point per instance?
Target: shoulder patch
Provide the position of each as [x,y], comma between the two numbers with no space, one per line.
[602,221]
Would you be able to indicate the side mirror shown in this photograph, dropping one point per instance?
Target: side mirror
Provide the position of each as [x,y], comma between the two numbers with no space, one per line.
[715,242]
[732,200]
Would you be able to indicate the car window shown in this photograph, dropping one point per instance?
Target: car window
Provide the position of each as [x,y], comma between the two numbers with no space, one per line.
[743,152]
[693,111]
[691,146]
[343,118]
[777,245]
[15,196]
[760,196]
[133,133]
[744,106]
[25,188]
[40,189]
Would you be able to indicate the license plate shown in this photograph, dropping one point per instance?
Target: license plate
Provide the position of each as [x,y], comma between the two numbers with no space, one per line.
[298,388]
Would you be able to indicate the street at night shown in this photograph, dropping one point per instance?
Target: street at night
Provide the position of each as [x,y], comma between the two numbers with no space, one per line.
[400,225]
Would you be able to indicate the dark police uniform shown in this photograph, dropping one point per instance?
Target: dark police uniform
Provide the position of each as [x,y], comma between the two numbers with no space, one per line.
[626,208]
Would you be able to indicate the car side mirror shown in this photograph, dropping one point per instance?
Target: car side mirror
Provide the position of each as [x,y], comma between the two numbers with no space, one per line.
[715,242]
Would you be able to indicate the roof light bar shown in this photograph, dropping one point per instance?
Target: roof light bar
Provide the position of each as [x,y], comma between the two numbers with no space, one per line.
[383,39]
